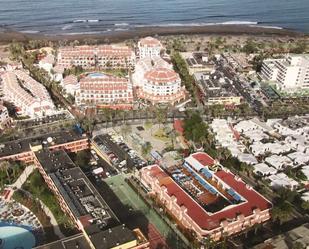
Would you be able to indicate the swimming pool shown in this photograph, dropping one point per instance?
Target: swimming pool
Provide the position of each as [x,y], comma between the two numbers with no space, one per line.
[12,237]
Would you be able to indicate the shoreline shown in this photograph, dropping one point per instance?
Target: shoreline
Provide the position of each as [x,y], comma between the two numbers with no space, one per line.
[119,36]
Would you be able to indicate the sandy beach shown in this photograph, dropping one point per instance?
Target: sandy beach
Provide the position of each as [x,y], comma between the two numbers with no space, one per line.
[8,35]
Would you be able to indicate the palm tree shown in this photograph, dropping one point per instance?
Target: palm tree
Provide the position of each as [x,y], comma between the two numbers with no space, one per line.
[126,129]
[172,136]
[146,148]
[161,115]
[282,212]
[5,166]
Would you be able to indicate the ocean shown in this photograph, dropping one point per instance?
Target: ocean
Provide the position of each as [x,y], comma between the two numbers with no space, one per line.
[101,16]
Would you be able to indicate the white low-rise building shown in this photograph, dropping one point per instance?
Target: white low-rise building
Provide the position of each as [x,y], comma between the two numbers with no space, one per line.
[282,180]
[277,148]
[227,137]
[255,135]
[299,158]
[57,73]
[264,170]
[278,162]
[47,62]
[70,84]
[305,196]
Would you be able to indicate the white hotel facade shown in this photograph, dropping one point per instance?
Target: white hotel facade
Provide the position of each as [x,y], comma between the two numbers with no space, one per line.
[289,74]
[149,47]
[154,79]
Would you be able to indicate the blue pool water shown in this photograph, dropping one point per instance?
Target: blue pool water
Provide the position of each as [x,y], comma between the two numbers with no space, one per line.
[12,237]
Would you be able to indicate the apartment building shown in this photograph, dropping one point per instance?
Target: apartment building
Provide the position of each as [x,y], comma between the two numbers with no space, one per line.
[289,74]
[101,56]
[29,96]
[23,149]
[203,198]
[101,90]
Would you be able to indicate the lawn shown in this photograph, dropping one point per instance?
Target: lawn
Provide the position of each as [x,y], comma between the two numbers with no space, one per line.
[161,135]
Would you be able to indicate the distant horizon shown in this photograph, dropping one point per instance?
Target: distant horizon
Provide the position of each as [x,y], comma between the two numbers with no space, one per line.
[104,17]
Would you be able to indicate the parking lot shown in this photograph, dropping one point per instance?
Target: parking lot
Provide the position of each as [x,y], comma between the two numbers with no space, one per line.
[120,155]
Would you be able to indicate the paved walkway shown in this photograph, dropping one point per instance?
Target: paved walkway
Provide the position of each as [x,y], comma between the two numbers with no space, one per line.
[53,220]
[23,177]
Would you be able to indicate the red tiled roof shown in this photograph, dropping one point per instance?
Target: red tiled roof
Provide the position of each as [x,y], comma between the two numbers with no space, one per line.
[161,75]
[198,214]
[178,126]
[70,80]
[235,132]
[203,158]
[150,42]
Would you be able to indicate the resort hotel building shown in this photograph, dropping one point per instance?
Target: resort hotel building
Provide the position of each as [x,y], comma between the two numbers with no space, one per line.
[101,56]
[149,47]
[289,74]
[101,90]
[78,198]
[206,198]
[29,96]
[154,80]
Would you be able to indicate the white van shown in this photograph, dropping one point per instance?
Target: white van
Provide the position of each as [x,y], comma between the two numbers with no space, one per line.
[122,163]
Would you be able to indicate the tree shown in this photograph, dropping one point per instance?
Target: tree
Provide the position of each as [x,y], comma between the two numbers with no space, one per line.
[161,115]
[286,194]
[83,159]
[301,47]
[5,166]
[208,243]
[172,136]
[126,129]
[195,129]
[250,47]
[305,205]
[281,212]
[146,148]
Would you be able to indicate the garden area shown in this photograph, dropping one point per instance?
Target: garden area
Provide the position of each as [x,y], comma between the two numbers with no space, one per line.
[10,171]
[35,207]
[36,186]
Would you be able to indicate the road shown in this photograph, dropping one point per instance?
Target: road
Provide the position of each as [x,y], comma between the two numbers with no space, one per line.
[239,85]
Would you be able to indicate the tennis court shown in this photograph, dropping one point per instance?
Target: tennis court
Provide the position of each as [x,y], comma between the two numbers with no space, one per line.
[156,228]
